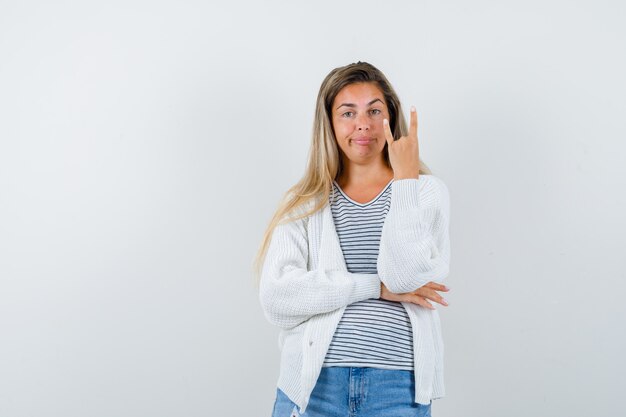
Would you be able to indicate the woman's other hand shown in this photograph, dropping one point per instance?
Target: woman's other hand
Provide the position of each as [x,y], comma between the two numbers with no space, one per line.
[419,296]
[404,153]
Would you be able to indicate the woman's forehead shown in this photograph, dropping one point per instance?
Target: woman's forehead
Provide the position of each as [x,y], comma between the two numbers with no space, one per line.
[359,94]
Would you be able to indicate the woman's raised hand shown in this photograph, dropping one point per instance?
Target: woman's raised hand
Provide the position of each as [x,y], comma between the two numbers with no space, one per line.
[404,153]
[419,296]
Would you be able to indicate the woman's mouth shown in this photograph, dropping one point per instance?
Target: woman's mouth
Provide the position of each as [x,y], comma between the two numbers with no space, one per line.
[362,141]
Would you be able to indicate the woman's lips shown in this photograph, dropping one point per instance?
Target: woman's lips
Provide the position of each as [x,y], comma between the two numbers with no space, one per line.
[362,141]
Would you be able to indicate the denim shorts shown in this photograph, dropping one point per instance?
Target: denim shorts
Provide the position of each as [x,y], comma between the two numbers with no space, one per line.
[357,392]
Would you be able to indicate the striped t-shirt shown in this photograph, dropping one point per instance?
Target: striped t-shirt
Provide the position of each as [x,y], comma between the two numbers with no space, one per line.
[375,332]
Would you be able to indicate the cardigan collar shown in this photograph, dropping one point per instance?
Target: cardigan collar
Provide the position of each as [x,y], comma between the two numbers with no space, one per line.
[331,254]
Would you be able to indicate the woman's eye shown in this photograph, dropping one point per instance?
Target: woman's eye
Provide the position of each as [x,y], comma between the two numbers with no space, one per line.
[347,114]
[376,111]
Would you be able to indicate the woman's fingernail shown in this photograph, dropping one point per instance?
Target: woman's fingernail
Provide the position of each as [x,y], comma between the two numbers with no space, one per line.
[444,302]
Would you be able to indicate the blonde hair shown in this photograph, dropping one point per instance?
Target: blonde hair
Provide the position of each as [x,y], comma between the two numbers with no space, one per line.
[324,162]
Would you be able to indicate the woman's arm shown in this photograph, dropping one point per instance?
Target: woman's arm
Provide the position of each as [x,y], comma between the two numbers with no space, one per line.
[290,294]
[415,243]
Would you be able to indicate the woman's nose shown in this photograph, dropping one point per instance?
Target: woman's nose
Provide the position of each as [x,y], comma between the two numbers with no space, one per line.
[362,122]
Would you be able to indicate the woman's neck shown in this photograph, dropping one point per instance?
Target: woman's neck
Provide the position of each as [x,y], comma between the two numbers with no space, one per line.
[354,175]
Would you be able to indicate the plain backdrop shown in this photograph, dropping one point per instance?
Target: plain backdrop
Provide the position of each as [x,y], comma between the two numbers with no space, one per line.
[144,146]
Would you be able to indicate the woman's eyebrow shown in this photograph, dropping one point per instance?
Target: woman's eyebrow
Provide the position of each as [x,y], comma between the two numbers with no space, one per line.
[354,105]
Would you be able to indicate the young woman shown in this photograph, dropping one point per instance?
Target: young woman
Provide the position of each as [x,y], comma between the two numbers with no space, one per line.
[352,259]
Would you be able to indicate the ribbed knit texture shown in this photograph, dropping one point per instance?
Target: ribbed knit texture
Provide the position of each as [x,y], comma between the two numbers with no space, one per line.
[372,333]
[305,285]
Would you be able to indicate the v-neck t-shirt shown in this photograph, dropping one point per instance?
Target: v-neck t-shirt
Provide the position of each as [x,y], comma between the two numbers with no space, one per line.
[374,332]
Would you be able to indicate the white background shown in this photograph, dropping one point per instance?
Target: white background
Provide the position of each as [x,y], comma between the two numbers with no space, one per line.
[144,146]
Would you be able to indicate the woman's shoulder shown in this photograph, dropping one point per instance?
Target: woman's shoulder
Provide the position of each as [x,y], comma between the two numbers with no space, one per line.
[425,191]
[433,182]
[425,183]
[304,210]
[433,189]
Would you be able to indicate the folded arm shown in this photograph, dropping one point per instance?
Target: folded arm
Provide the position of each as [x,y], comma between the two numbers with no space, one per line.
[291,294]
[415,243]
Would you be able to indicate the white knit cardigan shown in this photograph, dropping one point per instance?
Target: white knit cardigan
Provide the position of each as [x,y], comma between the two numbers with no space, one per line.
[305,285]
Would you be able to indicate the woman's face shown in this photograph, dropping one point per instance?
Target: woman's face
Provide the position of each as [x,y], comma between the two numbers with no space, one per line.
[357,116]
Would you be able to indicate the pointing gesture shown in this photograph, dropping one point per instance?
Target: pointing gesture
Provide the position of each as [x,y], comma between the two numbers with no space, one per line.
[404,152]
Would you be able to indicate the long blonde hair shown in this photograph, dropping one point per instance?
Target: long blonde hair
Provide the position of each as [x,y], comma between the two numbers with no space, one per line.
[324,163]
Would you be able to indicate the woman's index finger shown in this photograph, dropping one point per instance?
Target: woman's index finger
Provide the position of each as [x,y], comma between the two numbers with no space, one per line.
[387,130]
[437,286]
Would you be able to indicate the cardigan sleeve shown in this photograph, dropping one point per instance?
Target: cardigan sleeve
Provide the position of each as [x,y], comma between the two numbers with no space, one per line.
[415,243]
[290,293]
